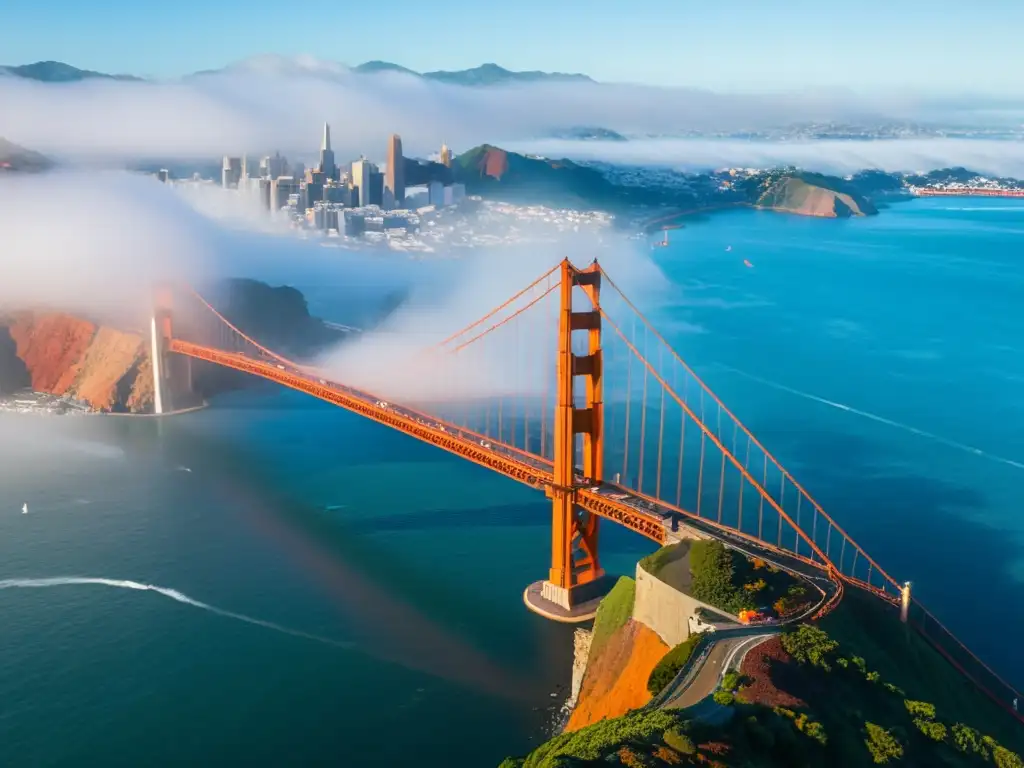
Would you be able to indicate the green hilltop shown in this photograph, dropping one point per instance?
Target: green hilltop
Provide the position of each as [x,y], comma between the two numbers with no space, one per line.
[855,689]
[492,172]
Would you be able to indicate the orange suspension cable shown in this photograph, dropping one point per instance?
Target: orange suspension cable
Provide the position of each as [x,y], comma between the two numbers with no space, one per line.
[629,397]
[721,488]
[498,325]
[799,488]
[661,439]
[495,311]
[643,426]
[682,440]
[746,465]
[713,438]
[234,328]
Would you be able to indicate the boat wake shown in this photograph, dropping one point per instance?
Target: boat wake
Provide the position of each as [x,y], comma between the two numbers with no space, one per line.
[173,594]
[875,417]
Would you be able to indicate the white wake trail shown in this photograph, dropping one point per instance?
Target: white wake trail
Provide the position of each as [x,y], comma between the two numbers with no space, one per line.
[63,581]
[875,417]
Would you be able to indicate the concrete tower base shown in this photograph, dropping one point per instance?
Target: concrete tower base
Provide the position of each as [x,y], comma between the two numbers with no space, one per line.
[555,603]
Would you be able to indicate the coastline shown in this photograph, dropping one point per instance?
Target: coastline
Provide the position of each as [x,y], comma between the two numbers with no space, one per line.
[654,224]
[178,412]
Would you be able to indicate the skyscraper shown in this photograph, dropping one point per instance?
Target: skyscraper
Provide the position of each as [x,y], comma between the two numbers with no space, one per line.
[394,180]
[363,172]
[231,172]
[327,167]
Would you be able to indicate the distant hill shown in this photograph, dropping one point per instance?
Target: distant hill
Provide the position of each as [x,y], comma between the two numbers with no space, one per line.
[59,72]
[15,158]
[812,194]
[493,172]
[485,74]
[587,133]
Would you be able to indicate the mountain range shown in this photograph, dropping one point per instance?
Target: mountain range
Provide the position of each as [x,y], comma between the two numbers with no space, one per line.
[484,75]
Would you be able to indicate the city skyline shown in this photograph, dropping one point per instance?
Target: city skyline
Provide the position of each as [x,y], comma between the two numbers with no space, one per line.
[716,47]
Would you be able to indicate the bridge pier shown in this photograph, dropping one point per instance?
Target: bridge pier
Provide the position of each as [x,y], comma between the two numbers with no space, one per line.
[576,580]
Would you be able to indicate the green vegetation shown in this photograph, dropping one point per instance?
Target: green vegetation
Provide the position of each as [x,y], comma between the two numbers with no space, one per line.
[715,582]
[680,741]
[666,669]
[724,698]
[809,645]
[883,746]
[868,691]
[639,728]
[614,611]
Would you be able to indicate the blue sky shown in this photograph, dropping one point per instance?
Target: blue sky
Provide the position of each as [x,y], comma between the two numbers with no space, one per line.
[934,45]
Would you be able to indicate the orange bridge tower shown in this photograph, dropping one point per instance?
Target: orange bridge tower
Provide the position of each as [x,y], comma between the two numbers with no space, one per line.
[575,582]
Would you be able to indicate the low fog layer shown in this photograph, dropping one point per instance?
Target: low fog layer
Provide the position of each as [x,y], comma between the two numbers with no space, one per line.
[273,103]
[843,157]
[102,240]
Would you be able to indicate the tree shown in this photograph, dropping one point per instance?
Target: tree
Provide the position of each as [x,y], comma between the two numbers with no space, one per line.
[882,745]
[810,645]
[679,741]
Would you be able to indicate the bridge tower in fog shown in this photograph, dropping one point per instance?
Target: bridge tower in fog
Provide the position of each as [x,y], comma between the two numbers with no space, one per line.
[160,337]
[172,374]
[575,578]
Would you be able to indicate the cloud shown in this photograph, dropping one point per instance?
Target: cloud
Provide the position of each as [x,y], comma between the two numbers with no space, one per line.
[97,243]
[985,156]
[401,360]
[277,103]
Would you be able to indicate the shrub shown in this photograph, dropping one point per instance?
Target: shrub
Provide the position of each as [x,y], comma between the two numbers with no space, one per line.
[724,698]
[731,681]
[755,586]
[933,730]
[666,669]
[816,731]
[894,689]
[714,573]
[594,741]
[679,741]
[920,708]
[882,745]
[1004,758]
[810,645]
[633,759]
[872,677]
[968,740]
[667,756]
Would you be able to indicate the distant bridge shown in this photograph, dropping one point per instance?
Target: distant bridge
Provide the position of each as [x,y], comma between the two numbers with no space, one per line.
[590,405]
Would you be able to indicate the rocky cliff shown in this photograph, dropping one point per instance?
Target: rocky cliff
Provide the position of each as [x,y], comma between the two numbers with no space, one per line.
[110,370]
[72,357]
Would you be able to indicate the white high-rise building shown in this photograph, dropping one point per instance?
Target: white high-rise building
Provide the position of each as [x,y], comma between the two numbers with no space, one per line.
[231,172]
[362,173]
[435,193]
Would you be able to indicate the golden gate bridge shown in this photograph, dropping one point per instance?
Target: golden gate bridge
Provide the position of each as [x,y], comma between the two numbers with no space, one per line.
[568,388]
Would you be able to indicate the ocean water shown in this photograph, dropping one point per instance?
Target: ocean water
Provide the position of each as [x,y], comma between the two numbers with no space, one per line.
[332,593]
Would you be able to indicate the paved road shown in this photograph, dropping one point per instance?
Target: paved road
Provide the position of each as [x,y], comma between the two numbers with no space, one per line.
[727,652]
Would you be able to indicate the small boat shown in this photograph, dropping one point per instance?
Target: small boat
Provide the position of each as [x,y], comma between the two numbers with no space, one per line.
[24,508]
[747,263]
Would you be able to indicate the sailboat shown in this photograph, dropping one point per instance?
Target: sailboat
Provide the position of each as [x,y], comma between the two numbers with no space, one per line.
[24,508]
[661,243]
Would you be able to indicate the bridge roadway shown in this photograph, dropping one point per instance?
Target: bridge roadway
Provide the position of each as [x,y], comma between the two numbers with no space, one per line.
[643,514]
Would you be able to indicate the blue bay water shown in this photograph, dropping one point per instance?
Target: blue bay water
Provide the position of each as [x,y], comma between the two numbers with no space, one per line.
[297,514]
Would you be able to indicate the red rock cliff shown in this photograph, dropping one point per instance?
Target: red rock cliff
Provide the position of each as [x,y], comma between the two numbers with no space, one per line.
[68,356]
